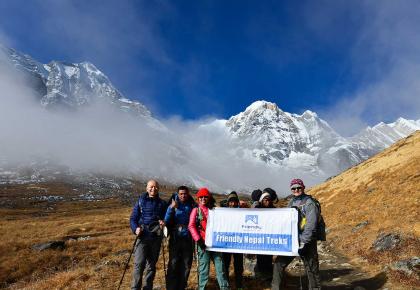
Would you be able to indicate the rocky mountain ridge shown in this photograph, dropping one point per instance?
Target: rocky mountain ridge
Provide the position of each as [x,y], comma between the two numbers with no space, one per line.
[64,85]
[262,134]
[284,139]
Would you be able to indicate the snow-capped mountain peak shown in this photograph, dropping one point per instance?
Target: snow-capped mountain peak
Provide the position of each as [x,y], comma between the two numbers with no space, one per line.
[309,115]
[262,105]
[61,84]
[285,139]
[263,135]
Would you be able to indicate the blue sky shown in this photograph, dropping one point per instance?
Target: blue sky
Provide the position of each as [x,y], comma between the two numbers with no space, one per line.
[353,62]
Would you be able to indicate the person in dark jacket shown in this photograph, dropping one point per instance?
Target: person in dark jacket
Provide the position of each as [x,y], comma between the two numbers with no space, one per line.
[181,245]
[264,199]
[238,258]
[307,238]
[146,221]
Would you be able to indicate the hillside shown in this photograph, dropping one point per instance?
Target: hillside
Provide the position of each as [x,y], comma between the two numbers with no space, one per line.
[378,201]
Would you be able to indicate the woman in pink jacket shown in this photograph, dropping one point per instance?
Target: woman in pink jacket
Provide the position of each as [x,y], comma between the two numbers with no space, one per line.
[197,227]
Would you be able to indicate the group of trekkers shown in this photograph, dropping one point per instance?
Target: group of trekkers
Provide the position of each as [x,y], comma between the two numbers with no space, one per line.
[186,220]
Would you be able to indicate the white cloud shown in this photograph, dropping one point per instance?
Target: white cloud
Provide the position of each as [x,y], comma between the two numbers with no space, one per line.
[386,61]
[100,139]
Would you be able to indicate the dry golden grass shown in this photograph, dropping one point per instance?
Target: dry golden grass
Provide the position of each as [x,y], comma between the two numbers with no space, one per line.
[94,263]
[385,192]
[106,227]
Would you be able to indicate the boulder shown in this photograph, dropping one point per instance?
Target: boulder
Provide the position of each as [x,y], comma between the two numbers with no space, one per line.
[55,245]
[386,242]
[360,226]
[408,267]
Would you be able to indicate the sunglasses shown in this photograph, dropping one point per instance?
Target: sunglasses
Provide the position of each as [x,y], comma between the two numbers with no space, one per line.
[296,188]
[203,197]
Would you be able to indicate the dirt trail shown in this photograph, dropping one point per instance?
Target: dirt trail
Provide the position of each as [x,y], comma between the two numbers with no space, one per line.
[335,270]
[336,273]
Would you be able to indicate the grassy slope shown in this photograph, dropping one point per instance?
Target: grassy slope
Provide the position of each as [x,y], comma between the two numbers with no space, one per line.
[385,192]
[95,263]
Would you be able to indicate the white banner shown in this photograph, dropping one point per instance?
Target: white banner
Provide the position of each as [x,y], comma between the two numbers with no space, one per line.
[253,231]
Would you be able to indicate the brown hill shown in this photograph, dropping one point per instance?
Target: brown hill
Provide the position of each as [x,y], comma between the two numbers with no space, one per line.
[377,201]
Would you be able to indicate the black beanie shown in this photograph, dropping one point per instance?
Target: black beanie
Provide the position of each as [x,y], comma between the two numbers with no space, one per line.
[256,194]
[233,196]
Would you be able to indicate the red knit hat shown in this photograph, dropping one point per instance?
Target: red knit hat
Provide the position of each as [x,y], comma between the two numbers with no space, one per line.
[297,181]
[203,192]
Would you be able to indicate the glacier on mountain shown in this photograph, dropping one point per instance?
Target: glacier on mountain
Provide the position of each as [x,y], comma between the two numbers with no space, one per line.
[262,142]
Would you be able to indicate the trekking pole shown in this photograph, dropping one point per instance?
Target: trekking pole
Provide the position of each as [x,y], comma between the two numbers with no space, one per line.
[128,261]
[197,260]
[300,280]
[300,275]
[164,260]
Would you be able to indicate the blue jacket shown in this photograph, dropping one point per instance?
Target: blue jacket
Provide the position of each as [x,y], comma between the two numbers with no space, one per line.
[145,211]
[177,219]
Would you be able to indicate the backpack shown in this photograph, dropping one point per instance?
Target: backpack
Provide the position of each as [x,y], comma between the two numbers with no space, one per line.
[199,218]
[320,229]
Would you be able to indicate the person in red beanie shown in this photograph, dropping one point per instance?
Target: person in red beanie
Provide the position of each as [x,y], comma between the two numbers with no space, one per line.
[197,227]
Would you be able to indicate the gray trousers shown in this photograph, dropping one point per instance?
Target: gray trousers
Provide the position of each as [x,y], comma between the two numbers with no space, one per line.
[146,256]
[180,260]
[309,255]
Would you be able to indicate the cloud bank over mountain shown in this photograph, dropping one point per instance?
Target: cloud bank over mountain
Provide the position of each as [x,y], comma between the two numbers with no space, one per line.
[71,115]
[384,56]
[102,137]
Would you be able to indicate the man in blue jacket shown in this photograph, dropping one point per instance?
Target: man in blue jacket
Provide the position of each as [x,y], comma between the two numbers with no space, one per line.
[146,221]
[181,245]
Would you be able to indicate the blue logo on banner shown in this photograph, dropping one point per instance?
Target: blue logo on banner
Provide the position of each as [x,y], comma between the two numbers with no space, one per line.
[252,218]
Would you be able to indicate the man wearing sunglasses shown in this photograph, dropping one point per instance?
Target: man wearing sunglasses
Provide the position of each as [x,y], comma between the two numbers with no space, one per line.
[309,216]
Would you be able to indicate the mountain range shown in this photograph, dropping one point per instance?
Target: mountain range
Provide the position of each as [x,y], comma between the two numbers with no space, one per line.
[263,134]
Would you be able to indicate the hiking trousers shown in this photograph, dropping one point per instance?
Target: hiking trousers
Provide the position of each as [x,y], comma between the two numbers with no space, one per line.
[309,255]
[180,260]
[146,256]
[264,267]
[238,266]
[204,258]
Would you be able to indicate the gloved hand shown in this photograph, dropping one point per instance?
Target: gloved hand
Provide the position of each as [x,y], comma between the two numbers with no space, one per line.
[201,244]
[301,249]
